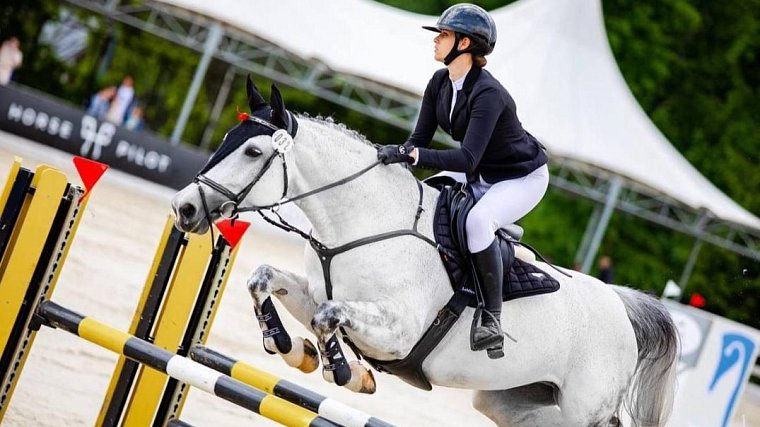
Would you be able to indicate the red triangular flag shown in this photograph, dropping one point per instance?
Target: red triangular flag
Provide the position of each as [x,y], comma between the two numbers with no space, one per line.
[697,300]
[232,231]
[90,172]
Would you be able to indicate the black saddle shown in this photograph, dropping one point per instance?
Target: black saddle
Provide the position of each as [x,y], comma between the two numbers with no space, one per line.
[521,280]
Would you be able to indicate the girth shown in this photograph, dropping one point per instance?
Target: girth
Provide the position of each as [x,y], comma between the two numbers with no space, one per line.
[450,221]
[409,368]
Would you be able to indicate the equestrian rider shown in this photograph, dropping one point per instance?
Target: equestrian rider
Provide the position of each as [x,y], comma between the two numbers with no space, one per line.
[504,165]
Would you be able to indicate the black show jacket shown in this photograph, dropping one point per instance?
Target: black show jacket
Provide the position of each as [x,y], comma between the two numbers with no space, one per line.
[494,143]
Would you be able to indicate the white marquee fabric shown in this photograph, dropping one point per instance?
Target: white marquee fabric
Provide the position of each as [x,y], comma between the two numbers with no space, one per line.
[552,55]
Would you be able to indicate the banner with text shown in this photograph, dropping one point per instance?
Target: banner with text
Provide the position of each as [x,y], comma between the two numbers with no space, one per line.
[44,119]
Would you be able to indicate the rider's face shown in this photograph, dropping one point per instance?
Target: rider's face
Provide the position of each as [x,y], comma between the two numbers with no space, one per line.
[444,41]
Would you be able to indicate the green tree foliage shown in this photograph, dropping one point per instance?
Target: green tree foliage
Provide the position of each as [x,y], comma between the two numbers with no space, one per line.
[21,19]
[694,65]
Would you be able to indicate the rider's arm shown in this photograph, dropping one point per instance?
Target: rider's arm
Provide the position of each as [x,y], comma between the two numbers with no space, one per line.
[426,122]
[487,106]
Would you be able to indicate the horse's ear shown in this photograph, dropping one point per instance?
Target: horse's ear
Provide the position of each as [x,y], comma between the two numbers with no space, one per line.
[255,100]
[279,113]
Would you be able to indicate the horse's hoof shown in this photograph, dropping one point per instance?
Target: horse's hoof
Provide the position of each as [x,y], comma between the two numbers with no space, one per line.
[302,355]
[362,379]
[310,360]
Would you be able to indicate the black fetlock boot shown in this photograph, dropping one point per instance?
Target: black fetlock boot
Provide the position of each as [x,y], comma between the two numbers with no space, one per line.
[490,270]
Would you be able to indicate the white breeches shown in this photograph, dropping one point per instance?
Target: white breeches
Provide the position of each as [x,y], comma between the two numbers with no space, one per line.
[500,204]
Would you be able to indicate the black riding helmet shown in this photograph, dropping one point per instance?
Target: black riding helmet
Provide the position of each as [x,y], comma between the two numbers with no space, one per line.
[469,20]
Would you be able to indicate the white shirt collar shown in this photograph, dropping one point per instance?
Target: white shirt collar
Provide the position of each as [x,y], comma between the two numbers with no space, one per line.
[458,83]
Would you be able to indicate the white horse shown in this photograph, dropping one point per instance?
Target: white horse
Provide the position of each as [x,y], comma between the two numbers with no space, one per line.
[579,355]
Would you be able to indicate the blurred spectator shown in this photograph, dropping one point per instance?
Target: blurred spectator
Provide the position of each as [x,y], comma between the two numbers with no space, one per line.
[10,59]
[124,95]
[135,120]
[100,102]
[606,273]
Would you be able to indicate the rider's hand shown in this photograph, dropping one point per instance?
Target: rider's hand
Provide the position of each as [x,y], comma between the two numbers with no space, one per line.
[395,154]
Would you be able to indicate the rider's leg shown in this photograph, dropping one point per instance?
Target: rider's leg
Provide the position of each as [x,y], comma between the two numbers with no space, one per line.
[490,270]
[502,204]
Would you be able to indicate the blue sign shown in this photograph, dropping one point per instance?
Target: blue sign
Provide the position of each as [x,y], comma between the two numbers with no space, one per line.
[736,352]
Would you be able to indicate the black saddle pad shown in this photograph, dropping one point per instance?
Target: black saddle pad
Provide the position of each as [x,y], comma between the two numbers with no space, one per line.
[522,280]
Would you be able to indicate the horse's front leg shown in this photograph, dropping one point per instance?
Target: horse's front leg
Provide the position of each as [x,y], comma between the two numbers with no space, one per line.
[378,325]
[292,290]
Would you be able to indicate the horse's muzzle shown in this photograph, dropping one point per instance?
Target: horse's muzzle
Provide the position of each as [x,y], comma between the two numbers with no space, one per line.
[188,215]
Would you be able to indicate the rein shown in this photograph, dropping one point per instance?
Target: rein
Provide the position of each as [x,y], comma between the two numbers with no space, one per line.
[235,199]
[282,141]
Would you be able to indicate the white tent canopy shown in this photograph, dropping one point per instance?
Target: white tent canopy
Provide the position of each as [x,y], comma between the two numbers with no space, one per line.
[552,55]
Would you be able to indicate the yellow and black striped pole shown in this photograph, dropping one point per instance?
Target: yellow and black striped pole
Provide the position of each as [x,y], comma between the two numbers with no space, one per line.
[326,407]
[180,368]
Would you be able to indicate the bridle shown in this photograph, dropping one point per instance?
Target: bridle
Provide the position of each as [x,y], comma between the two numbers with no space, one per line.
[282,142]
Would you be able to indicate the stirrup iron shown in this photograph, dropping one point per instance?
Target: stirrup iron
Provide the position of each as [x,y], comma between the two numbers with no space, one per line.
[491,342]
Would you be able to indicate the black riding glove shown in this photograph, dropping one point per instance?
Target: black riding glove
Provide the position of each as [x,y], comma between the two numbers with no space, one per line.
[395,154]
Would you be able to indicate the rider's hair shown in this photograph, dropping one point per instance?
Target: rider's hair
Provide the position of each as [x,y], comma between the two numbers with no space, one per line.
[477,58]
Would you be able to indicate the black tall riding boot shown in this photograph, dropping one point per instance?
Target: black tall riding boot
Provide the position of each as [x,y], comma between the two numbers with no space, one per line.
[490,269]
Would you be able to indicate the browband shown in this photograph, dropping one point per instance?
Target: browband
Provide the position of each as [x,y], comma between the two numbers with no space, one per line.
[292,130]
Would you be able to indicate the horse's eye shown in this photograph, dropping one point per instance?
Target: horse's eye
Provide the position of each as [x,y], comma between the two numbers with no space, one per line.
[252,152]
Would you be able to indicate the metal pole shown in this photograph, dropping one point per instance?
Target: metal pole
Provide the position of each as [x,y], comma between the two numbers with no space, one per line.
[593,221]
[213,38]
[691,262]
[609,207]
[689,268]
[216,110]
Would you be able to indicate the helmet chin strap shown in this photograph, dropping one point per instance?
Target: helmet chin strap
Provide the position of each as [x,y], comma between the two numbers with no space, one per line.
[455,52]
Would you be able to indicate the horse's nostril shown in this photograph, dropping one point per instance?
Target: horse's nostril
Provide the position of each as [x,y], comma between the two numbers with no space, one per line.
[187,210]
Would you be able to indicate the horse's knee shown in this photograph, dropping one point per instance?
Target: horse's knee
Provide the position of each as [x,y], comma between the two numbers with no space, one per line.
[259,281]
[327,317]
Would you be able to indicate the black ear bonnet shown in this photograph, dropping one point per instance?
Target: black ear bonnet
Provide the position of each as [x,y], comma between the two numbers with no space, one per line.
[264,120]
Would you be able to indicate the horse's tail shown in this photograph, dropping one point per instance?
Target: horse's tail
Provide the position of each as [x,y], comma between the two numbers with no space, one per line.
[650,395]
